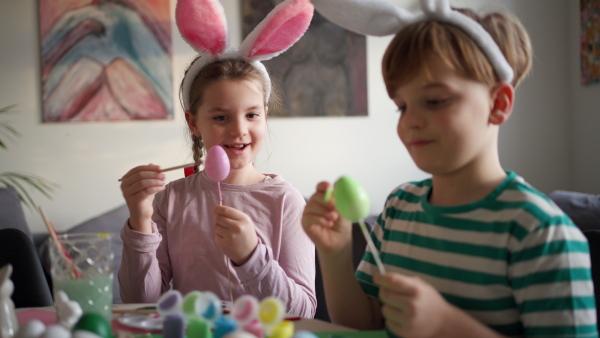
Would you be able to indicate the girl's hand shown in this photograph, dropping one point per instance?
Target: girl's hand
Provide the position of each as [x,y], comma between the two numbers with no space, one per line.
[138,187]
[234,234]
[411,306]
[323,224]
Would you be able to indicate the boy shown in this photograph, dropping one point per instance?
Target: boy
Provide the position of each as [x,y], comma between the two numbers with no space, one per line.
[474,251]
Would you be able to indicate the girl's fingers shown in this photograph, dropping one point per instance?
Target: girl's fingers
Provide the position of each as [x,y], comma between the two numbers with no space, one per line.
[143,168]
[142,176]
[229,212]
[225,223]
[142,186]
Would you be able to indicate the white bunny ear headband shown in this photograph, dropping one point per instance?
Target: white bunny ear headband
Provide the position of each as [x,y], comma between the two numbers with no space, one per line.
[380,18]
[202,24]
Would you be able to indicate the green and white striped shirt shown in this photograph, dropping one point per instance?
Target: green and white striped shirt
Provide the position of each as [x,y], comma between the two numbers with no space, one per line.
[514,260]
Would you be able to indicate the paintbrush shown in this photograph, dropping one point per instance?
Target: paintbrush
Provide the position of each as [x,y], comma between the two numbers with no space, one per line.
[197,163]
[64,254]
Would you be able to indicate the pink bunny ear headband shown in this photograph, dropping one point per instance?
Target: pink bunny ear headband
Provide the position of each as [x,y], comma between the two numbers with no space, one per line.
[380,18]
[202,24]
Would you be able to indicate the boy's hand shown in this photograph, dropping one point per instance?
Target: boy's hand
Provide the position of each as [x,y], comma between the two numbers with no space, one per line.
[234,234]
[411,306]
[323,224]
[139,186]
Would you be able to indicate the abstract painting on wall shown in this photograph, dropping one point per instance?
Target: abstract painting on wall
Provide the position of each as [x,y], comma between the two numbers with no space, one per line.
[105,60]
[590,41]
[323,74]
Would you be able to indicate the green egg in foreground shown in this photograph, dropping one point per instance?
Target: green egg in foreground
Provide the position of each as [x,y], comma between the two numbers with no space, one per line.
[351,199]
[94,323]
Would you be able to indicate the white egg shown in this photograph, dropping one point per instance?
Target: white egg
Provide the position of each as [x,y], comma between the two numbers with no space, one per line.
[56,331]
[239,334]
[84,334]
[33,329]
[304,334]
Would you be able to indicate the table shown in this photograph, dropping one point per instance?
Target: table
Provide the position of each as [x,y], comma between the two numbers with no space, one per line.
[321,328]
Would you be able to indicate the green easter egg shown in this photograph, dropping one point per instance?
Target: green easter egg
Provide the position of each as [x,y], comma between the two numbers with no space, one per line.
[189,306]
[197,327]
[351,199]
[94,323]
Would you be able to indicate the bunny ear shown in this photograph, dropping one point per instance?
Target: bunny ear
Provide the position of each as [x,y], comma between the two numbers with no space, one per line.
[374,17]
[283,27]
[436,8]
[202,24]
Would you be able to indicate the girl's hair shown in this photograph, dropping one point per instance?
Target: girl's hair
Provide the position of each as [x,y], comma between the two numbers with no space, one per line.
[407,54]
[214,72]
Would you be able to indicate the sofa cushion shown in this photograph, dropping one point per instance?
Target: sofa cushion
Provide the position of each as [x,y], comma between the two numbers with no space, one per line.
[11,212]
[582,208]
[110,222]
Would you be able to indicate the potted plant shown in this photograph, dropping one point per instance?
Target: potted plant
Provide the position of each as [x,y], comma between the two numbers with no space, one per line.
[21,181]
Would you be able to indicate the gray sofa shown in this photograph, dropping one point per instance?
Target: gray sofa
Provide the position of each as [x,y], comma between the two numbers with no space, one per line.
[12,216]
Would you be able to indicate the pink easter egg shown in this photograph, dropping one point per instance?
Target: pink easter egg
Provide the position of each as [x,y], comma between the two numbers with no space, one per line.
[217,164]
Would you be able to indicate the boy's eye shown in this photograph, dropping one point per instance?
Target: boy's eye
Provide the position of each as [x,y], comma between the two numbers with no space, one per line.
[436,102]
[401,109]
[220,118]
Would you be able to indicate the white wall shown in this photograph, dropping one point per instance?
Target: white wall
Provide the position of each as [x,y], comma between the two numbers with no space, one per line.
[584,111]
[86,159]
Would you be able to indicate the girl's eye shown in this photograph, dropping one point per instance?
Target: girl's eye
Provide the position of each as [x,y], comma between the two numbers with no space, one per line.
[252,115]
[220,118]
[401,109]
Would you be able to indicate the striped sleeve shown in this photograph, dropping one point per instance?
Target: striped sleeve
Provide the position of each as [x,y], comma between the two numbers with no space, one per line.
[550,271]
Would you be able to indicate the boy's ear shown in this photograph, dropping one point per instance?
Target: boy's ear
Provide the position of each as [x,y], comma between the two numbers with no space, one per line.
[191,122]
[503,96]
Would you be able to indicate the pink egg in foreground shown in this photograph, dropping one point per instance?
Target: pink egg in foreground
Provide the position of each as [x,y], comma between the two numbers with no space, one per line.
[217,164]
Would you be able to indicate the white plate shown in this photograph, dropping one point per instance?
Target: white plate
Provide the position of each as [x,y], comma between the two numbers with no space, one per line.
[150,322]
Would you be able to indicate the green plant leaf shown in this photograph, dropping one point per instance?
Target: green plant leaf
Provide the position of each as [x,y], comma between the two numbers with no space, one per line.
[21,181]
[6,130]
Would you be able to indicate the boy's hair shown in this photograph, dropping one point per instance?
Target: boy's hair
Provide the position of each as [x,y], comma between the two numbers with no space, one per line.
[232,70]
[407,54]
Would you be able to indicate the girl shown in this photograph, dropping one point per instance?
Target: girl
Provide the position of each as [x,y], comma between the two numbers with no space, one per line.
[474,251]
[182,237]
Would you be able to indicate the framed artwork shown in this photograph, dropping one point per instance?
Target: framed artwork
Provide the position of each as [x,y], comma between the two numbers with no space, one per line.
[323,74]
[590,41]
[105,60]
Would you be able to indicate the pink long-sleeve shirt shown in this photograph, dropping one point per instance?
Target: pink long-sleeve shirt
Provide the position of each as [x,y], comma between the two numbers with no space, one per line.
[181,249]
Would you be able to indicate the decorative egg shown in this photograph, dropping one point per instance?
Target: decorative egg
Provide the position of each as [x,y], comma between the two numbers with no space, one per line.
[33,329]
[271,311]
[84,334]
[351,199]
[223,326]
[190,304]
[209,306]
[93,323]
[198,327]
[57,331]
[304,334]
[217,164]
[245,309]
[284,329]
[169,303]
[240,334]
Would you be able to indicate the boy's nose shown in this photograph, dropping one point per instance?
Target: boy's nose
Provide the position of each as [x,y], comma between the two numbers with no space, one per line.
[412,118]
